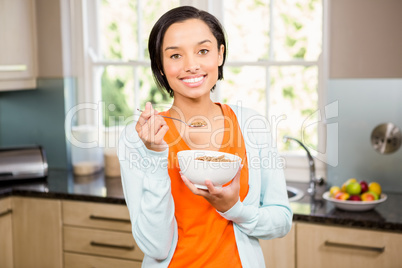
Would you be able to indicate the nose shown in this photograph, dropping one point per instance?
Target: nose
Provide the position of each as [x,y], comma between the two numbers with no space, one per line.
[192,65]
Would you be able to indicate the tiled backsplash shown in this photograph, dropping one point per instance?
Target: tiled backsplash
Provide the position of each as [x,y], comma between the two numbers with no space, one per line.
[364,104]
[30,117]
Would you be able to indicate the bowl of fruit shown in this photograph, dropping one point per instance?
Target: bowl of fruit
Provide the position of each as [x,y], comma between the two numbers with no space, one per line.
[356,195]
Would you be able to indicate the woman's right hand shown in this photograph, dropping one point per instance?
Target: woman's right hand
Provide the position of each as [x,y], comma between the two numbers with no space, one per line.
[151,129]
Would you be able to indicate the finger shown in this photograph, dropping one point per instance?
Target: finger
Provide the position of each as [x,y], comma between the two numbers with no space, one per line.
[159,141]
[237,176]
[189,184]
[236,179]
[192,187]
[153,131]
[148,107]
[155,123]
[212,189]
[145,115]
[152,111]
[161,133]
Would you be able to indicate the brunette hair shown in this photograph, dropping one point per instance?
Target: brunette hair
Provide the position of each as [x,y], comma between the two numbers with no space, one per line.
[157,34]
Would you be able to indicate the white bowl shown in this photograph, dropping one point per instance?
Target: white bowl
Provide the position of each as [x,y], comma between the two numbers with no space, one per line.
[197,171]
[354,205]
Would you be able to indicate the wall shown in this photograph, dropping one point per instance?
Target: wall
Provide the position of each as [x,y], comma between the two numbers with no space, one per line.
[37,116]
[365,39]
[365,77]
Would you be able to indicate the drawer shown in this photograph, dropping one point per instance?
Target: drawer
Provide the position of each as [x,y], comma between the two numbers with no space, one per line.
[95,215]
[5,206]
[329,246]
[101,242]
[73,260]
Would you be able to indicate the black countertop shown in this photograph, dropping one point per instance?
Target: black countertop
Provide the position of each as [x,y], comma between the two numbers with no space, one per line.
[61,184]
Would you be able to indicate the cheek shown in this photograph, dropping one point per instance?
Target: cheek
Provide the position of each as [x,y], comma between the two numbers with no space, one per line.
[212,66]
[171,69]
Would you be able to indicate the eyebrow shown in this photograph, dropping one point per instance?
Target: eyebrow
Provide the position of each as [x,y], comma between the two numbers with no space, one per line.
[199,43]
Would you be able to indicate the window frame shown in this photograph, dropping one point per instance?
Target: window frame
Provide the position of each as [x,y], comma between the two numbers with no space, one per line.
[88,70]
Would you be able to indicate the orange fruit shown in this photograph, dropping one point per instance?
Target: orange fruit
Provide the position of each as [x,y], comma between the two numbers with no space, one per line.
[375,187]
[367,196]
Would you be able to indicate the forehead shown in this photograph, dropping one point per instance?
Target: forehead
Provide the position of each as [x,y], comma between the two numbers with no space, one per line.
[188,31]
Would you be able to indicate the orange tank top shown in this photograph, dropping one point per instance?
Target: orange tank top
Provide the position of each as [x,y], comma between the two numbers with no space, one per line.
[205,238]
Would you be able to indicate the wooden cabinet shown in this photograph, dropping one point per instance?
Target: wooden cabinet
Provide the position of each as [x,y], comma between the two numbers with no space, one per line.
[37,236]
[18,44]
[98,235]
[280,252]
[6,241]
[88,261]
[328,246]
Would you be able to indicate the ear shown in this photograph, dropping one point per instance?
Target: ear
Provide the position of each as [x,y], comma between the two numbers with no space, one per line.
[220,55]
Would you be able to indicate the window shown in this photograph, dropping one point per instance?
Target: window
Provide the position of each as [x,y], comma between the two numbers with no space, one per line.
[274,62]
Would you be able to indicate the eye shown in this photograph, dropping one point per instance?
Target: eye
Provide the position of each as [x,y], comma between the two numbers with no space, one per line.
[175,56]
[203,51]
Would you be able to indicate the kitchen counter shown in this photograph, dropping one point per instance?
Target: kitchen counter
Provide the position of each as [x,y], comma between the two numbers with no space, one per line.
[98,188]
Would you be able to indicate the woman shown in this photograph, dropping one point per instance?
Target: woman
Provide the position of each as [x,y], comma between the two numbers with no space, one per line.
[174,223]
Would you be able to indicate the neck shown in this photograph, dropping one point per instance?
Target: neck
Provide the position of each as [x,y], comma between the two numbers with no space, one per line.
[188,108]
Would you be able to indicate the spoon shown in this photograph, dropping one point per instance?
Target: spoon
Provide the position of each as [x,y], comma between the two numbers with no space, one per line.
[198,124]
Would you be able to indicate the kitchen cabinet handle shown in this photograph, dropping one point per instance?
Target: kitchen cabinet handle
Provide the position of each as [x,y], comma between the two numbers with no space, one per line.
[94,217]
[342,245]
[6,212]
[13,68]
[99,244]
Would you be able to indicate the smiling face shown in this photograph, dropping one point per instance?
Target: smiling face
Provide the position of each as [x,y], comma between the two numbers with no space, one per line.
[191,58]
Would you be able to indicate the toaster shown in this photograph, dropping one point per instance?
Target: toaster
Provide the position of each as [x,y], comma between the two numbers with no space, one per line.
[19,163]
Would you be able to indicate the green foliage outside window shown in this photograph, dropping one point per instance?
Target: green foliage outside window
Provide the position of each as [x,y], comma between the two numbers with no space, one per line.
[292,91]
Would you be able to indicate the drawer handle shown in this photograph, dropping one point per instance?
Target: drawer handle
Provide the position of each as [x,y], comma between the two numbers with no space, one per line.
[6,212]
[342,245]
[98,244]
[93,217]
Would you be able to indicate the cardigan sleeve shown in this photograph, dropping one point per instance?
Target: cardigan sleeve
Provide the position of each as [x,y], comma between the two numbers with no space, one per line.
[146,187]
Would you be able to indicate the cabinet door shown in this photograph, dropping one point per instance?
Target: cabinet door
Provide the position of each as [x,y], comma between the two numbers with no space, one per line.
[37,232]
[6,244]
[73,260]
[95,215]
[327,246]
[280,252]
[18,44]
[101,243]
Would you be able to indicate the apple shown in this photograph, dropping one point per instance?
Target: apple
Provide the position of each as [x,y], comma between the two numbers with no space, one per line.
[342,196]
[353,188]
[334,190]
[343,188]
[355,198]
[364,186]
[376,197]
[367,197]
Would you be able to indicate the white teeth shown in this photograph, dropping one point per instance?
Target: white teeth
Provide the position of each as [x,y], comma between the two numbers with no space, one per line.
[193,80]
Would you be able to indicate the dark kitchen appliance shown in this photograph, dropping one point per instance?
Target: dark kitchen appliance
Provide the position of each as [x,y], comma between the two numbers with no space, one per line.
[22,163]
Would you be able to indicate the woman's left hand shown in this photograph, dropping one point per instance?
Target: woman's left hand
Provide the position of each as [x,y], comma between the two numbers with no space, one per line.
[222,198]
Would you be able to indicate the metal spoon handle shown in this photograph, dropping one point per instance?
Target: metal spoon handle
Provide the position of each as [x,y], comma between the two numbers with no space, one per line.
[172,118]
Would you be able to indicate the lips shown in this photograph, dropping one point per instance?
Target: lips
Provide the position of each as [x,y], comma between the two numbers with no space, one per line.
[193,81]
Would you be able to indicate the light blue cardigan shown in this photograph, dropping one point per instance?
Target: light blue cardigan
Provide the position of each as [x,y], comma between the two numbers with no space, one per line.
[264,214]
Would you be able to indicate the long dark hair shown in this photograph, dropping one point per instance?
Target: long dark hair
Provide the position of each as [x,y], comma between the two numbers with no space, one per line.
[157,34]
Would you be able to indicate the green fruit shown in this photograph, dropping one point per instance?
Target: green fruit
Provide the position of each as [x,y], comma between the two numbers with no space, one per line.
[376,197]
[353,188]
